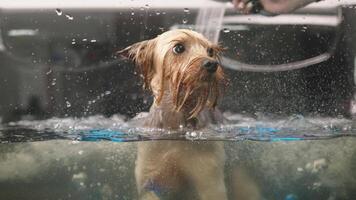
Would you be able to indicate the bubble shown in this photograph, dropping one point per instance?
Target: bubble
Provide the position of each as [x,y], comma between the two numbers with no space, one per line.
[93,41]
[59,12]
[300,169]
[186,10]
[185,21]
[75,142]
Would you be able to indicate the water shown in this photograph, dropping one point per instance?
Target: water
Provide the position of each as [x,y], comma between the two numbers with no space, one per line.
[93,158]
[209,21]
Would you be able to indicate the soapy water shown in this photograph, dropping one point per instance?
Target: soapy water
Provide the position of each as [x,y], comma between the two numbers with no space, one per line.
[237,128]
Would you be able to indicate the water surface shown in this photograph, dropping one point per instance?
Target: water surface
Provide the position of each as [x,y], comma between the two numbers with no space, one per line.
[93,158]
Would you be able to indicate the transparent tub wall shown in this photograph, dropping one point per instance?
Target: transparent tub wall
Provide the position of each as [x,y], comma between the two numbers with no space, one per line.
[61,169]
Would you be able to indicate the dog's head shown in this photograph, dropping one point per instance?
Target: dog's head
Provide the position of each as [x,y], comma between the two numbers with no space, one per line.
[182,64]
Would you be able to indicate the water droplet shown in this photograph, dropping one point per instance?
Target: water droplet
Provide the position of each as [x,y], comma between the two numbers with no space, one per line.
[300,169]
[185,21]
[69,17]
[59,12]
[142,8]
[132,13]
[147,6]
[68,104]
[73,42]
[158,13]
[107,92]
[186,10]
[93,41]
[80,152]
[84,40]
[226,30]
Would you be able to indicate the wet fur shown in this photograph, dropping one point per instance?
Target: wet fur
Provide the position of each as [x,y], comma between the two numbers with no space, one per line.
[185,96]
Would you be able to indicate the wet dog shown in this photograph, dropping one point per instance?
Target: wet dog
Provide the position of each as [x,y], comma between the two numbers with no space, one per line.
[181,68]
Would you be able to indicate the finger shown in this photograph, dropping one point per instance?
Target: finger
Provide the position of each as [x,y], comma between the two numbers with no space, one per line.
[238,4]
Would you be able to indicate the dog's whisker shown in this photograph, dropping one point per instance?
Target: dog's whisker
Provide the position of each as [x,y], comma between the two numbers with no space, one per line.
[179,88]
[211,95]
[161,92]
[187,94]
[196,109]
[201,102]
[214,94]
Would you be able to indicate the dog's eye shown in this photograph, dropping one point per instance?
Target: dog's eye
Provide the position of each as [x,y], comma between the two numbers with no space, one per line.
[211,52]
[178,49]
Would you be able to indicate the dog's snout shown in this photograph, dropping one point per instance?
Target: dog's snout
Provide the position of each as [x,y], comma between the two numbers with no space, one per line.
[210,65]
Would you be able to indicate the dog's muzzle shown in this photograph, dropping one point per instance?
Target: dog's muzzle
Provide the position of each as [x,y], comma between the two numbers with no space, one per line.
[210,65]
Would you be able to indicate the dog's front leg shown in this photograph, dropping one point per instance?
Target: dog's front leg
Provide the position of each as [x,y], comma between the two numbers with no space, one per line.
[209,183]
[206,171]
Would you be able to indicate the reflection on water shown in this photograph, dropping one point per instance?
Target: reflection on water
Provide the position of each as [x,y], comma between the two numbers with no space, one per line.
[64,167]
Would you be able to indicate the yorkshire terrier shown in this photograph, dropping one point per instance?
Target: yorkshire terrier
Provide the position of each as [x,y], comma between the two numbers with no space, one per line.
[181,68]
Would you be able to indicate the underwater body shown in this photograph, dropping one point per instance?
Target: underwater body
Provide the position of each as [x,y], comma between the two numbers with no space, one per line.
[94,158]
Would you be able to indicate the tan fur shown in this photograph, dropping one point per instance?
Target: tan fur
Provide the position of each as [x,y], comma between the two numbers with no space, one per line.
[185,96]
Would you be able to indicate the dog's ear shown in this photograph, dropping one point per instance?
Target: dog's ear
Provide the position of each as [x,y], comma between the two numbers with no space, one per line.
[142,54]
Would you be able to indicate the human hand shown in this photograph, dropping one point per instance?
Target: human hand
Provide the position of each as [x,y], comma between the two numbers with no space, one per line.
[272,6]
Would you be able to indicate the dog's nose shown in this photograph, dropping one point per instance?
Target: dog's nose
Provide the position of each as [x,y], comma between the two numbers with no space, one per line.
[210,65]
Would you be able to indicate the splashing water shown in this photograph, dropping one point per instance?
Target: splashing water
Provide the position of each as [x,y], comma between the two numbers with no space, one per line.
[209,21]
[69,17]
[240,127]
[59,12]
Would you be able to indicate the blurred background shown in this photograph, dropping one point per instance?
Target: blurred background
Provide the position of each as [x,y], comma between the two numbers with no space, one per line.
[57,58]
